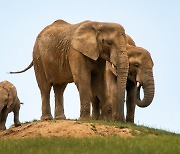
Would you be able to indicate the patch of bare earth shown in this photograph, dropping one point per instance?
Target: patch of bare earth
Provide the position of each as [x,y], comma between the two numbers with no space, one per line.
[63,128]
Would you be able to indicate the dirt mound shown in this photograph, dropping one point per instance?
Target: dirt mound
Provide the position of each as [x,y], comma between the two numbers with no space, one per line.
[63,128]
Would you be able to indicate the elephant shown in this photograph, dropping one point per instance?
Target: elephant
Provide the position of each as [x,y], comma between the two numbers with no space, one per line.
[104,100]
[130,41]
[65,53]
[9,102]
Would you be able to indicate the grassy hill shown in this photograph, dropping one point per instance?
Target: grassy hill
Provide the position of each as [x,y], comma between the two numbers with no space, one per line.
[71,137]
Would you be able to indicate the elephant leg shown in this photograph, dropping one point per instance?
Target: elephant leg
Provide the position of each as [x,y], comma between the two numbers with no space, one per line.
[85,98]
[46,109]
[81,68]
[106,111]
[130,103]
[45,88]
[3,117]
[83,83]
[59,103]
[114,100]
[95,108]
[111,95]
[16,115]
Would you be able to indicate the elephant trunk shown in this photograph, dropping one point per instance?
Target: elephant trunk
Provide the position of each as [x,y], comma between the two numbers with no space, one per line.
[122,73]
[148,88]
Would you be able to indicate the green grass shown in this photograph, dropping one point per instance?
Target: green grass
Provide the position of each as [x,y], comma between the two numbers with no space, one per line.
[109,145]
[148,141]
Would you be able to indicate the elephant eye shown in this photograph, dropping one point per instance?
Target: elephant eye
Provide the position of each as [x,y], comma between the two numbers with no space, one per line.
[6,99]
[109,42]
[136,65]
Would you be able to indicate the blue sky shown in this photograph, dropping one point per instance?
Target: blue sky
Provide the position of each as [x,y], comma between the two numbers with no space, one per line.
[153,25]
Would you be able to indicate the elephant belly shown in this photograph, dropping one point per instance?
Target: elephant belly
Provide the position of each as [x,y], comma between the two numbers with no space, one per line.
[57,70]
[58,73]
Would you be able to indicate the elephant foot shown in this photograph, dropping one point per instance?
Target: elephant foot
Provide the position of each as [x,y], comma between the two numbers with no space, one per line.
[61,117]
[84,118]
[46,117]
[17,124]
[115,117]
[95,117]
[2,127]
[106,118]
[122,120]
[85,115]
[130,120]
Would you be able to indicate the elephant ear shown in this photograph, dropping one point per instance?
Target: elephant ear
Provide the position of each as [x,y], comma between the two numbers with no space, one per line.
[85,40]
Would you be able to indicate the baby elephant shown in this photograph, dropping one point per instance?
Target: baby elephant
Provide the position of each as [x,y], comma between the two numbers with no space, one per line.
[9,102]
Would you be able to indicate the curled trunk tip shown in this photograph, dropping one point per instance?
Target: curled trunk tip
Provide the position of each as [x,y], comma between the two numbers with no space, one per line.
[148,94]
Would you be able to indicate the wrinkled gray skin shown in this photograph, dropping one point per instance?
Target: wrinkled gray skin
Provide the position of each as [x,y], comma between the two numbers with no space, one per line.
[9,102]
[65,53]
[105,91]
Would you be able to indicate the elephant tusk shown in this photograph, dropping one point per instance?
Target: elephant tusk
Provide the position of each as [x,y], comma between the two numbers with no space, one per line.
[137,84]
[112,65]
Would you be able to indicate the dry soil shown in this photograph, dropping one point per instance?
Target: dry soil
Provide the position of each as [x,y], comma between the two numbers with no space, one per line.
[63,128]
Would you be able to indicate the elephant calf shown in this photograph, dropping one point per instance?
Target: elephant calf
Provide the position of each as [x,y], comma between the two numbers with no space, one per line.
[9,102]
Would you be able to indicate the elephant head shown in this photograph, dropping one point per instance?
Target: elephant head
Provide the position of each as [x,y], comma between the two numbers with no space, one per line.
[104,40]
[5,96]
[141,74]
[140,71]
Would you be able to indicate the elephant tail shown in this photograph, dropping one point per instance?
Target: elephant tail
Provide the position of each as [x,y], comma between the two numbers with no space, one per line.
[30,65]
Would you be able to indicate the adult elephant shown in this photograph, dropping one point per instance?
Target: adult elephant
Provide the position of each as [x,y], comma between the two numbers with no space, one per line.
[65,53]
[140,75]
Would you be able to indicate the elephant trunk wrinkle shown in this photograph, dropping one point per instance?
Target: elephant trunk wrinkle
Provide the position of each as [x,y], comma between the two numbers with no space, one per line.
[122,73]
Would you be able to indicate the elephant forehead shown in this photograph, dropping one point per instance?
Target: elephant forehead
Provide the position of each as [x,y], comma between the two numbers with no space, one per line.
[135,59]
[146,61]
[110,35]
[110,25]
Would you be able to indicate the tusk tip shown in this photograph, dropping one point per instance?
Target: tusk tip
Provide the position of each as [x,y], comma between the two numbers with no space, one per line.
[138,84]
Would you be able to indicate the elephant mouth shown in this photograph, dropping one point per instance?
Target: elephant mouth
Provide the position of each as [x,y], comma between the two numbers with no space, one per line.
[112,68]
[114,71]
[132,78]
